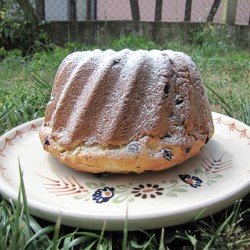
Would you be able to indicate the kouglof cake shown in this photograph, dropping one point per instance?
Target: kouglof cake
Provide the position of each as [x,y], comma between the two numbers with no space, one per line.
[126,111]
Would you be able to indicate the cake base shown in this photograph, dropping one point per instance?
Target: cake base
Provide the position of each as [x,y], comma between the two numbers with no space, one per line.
[146,154]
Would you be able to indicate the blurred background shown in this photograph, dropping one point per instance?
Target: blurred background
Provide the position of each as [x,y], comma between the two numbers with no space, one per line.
[219,11]
[97,21]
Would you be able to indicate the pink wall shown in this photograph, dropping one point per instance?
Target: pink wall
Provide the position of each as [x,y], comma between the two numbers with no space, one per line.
[173,10]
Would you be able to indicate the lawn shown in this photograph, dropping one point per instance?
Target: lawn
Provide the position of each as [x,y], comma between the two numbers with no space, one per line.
[25,85]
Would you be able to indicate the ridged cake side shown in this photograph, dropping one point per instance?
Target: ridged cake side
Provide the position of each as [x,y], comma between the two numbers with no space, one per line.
[126,111]
[111,98]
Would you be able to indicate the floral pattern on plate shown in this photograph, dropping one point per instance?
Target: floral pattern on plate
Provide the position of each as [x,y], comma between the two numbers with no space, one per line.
[233,127]
[100,192]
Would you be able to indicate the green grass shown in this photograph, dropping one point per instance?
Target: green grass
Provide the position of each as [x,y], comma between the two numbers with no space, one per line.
[25,85]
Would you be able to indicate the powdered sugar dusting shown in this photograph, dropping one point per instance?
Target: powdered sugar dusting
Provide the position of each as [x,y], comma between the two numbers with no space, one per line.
[76,61]
[100,65]
[123,96]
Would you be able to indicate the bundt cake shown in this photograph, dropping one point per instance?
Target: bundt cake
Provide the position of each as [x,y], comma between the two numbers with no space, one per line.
[126,111]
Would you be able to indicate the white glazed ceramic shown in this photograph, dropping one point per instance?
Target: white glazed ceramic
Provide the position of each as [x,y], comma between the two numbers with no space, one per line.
[205,184]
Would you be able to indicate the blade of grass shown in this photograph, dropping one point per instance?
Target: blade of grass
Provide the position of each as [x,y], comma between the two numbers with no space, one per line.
[241,242]
[15,243]
[245,111]
[219,231]
[56,234]
[89,247]
[83,239]
[38,80]
[40,235]
[147,245]
[24,199]
[192,239]
[125,231]
[67,240]
[161,246]
[228,109]
[199,215]
[5,224]
[101,236]
[236,210]
[75,238]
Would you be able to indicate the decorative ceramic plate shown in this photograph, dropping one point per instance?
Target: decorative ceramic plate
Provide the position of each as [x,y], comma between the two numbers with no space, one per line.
[206,184]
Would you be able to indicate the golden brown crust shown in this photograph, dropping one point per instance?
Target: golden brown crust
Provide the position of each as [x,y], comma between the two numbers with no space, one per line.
[147,154]
[126,111]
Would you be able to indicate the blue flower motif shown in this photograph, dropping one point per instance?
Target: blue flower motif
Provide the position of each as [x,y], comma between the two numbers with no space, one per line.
[103,194]
[193,181]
